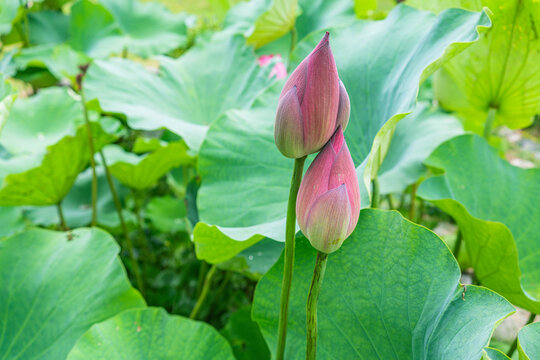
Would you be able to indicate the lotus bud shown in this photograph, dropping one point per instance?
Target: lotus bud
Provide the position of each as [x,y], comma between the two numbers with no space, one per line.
[311,104]
[328,202]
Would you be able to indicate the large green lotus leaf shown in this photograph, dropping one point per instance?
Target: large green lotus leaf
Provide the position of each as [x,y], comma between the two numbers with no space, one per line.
[12,220]
[53,290]
[77,205]
[8,12]
[145,29]
[529,342]
[391,292]
[245,180]
[500,70]
[48,27]
[383,69]
[322,14]
[150,333]
[93,30]
[149,28]
[188,94]
[41,120]
[415,137]
[245,337]
[142,172]
[496,207]
[262,21]
[44,179]
[60,60]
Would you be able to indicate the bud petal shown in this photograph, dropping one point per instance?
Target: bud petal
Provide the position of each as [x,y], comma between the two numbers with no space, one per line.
[288,129]
[320,206]
[344,108]
[328,220]
[317,86]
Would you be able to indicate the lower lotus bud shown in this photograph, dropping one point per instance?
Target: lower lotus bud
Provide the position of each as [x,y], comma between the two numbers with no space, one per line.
[328,203]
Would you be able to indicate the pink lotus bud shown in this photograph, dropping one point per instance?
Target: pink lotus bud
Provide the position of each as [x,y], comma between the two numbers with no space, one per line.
[328,203]
[314,101]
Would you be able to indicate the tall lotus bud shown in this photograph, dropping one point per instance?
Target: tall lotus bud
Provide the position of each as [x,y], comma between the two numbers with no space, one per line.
[328,203]
[312,103]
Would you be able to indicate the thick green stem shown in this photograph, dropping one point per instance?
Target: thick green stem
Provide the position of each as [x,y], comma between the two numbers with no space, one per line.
[375,196]
[204,292]
[200,281]
[421,209]
[390,201]
[489,122]
[293,44]
[514,344]
[118,206]
[311,305]
[457,245]
[290,232]
[92,161]
[412,208]
[62,220]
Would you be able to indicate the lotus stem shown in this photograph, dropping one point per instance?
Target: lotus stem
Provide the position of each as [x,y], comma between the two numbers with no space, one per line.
[311,305]
[92,161]
[375,193]
[412,208]
[204,292]
[129,243]
[489,122]
[62,220]
[290,232]
[457,245]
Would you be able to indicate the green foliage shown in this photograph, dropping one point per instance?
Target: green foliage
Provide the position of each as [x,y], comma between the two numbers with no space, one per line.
[189,93]
[150,334]
[54,290]
[378,300]
[245,337]
[141,172]
[415,137]
[497,221]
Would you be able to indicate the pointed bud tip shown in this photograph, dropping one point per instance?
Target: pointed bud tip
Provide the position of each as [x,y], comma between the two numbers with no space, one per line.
[337,139]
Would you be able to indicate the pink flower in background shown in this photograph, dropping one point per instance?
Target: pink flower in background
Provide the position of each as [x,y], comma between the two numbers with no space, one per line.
[279,70]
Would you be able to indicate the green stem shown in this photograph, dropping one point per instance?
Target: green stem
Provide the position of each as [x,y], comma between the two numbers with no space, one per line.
[412,208]
[118,206]
[375,193]
[200,281]
[204,292]
[293,44]
[390,201]
[92,161]
[421,208]
[514,344]
[62,224]
[290,232]
[311,305]
[457,245]
[489,122]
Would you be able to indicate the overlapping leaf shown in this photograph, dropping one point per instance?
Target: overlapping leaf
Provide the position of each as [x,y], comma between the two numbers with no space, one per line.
[53,290]
[141,172]
[45,178]
[150,333]
[500,70]
[262,21]
[189,93]
[496,207]
[415,137]
[391,292]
